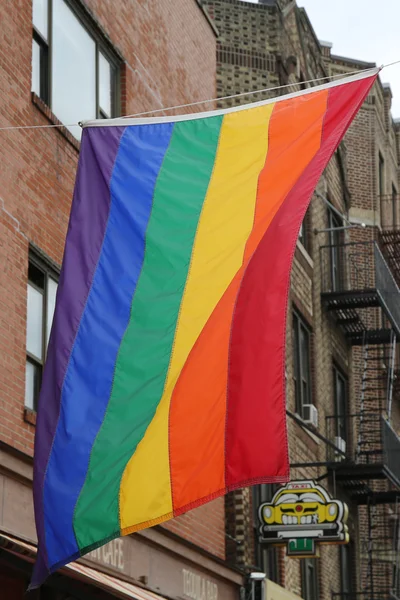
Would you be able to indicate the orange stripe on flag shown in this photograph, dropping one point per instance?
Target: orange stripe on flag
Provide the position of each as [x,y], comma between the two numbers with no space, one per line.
[198,406]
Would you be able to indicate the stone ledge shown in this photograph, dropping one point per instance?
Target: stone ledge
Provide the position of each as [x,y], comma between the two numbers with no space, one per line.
[51,117]
[30,416]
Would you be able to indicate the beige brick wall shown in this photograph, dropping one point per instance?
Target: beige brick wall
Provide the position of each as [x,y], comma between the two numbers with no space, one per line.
[350,184]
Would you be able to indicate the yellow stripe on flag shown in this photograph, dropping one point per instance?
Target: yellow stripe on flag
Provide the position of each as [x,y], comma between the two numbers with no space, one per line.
[224,226]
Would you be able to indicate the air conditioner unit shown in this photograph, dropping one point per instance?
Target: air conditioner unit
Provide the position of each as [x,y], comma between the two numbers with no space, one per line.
[310,414]
[340,444]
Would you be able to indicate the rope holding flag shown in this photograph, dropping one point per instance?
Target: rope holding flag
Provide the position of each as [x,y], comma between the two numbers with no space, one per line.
[164,385]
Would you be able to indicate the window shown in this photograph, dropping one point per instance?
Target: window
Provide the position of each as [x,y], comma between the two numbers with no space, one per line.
[336,246]
[266,558]
[394,207]
[396,581]
[301,363]
[41,298]
[340,402]
[345,560]
[74,70]
[304,233]
[381,175]
[309,579]
[396,566]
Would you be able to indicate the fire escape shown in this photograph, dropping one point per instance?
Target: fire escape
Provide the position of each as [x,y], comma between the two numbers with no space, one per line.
[359,290]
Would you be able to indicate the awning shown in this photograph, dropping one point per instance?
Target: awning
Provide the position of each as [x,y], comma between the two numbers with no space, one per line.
[276,592]
[76,570]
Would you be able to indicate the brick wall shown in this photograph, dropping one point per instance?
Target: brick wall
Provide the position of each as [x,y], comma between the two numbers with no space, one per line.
[203,526]
[245,58]
[37,167]
[169,52]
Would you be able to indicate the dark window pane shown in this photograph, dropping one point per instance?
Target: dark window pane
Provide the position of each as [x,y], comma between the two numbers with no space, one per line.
[312,583]
[73,68]
[305,364]
[33,377]
[40,17]
[340,391]
[301,364]
[381,175]
[266,558]
[304,353]
[394,207]
[36,276]
[296,371]
[36,67]
[345,569]
[40,68]
[396,580]
[309,576]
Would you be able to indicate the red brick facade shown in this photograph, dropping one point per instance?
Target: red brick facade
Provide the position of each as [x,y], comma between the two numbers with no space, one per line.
[168,53]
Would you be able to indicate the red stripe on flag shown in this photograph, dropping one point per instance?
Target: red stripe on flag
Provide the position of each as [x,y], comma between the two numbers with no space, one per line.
[256,438]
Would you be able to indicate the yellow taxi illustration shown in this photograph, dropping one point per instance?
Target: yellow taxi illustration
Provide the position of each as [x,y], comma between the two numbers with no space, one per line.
[303,509]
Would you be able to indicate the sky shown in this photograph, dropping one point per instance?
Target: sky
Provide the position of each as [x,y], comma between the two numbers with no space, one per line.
[363,29]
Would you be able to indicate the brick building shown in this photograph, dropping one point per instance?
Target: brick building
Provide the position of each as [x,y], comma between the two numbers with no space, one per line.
[124,58]
[61,61]
[343,320]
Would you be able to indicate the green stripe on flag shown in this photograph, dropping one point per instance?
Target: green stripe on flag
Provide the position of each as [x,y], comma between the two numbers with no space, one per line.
[145,351]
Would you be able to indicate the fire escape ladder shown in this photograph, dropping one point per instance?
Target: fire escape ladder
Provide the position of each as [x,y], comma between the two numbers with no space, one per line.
[376,388]
[362,401]
[391,375]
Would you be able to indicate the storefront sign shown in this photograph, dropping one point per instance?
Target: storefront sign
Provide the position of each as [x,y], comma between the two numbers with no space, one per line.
[153,558]
[197,587]
[112,554]
[301,515]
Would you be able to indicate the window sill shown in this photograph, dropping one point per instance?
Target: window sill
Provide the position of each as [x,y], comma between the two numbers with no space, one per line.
[304,259]
[305,254]
[30,416]
[51,117]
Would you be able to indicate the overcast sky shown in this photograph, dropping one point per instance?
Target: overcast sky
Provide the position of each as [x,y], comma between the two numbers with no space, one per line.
[364,29]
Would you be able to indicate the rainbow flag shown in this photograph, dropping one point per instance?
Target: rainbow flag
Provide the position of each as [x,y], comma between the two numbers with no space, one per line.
[164,382]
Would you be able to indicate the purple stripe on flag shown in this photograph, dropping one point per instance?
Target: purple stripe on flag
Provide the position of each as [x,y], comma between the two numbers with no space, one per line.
[99,149]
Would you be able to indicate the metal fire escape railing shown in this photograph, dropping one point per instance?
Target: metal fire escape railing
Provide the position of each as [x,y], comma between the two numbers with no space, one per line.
[359,290]
[371,474]
[355,277]
[376,399]
[379,556]
[372,446]
[380,561]
[389,237]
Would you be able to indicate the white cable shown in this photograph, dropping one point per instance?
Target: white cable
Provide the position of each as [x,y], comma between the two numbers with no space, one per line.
[157,110]
[278,87]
